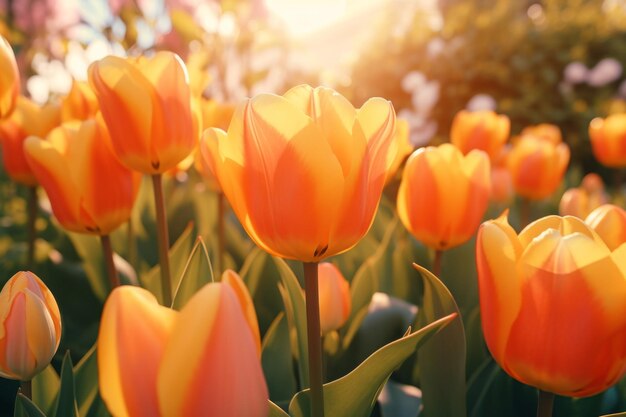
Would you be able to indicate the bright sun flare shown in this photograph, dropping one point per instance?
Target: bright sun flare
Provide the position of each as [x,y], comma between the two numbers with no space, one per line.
[303,17]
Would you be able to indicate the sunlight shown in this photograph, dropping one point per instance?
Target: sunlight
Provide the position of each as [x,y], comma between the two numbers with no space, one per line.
[303,17]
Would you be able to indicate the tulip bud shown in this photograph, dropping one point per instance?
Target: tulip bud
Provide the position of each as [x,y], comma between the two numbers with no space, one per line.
[484,130]
[80,103]
[211,365]
[609,221]
[544,131]
[334,297]
[608,140]
[9,79]
[31,327]
[582,200]
[133,333]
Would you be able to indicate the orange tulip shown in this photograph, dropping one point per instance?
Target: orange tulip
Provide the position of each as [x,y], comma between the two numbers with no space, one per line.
[27,119]
[216,114]
[89,189]
[205,161]
[9,79]
[146,104]
[211,367]
[334,297]
[545,131]
[552,304]
[134,330]
[582,200]
[443,195]
[403,148]
[80,103]
[608,140]
[537,166]
[609,221]
[31,327]
[232,279]
[304,172]
[484,130]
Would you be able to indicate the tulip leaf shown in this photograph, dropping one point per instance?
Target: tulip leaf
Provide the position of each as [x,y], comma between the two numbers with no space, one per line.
[277,362]
[178,253]
[86,378]
[66,400]
[275,411]
[89,249]
[195,275]
[442,360]
[45,386]
[615,415]
[293,297]
[355,394]
[24,407]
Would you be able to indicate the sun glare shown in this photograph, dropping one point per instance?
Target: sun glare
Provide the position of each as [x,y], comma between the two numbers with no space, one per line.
[304,17]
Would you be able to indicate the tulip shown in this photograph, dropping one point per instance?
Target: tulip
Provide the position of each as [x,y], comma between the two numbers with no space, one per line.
[205,160]
[80,103]
[232,279]
[27,119]
[609,221]
[89,189]
[608,140]
[403,148]
[304,172]
[443,195]
[537,166]
[134,330]
[484,130]
[335,301]
[9,80]
[211,367]
[545,131]
[501,181]
[552,304]
[31,327]
[216,114]
[147,107]
[580,201]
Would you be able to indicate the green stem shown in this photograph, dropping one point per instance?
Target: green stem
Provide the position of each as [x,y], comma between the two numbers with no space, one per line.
[545,405]
[221,236]
[32,232]
[26,389]
[107,250]
[314,338]
[130,241]
[163,238]
[436,267]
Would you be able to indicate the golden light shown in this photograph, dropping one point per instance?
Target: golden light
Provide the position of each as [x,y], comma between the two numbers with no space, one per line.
[304,17]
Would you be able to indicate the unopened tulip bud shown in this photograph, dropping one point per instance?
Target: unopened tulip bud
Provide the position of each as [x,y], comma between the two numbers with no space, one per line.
[609,221]
[334,296]
[484,130]
[31,327]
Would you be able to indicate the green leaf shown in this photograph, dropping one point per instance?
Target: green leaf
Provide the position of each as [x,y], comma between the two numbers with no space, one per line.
[277,362]
[178,253]
[45,387]
[86,378]
[442,360]
[276,411]
[66,401]
[615,415]
[196,274]
[89,249]
[293,297]
[26,408]
[355,394]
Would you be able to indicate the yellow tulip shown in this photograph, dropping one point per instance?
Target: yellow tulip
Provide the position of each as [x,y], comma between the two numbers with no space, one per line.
[80,103]
[134,330]
[31,327]
[484,130]
[9,79]
[89,189]
[443,195]
[28,119]
[334,297]
[609,221]
[211,365]
[608,140]
[537,165]
[304,172]
[552,304]
[146,104]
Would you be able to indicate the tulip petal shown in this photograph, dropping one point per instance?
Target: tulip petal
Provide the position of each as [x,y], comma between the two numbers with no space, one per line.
[232,279]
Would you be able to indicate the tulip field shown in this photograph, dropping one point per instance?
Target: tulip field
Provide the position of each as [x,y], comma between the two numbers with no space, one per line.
[184,232]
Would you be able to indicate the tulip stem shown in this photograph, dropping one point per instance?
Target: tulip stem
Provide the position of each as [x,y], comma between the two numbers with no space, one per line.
[32,232]
[107,250]
[26,389]
[436,267]
[545,405]
[221,237]
[314,338]
[132,248]
[163,238]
